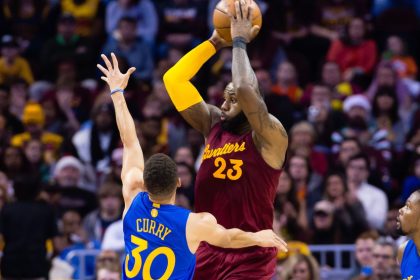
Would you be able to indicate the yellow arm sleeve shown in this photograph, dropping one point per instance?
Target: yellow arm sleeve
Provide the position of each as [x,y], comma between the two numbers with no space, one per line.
[177,79]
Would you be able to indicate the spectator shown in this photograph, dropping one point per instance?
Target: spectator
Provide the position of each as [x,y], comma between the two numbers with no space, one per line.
[181,23]
[187,175]
[357,110]
[26,20]
[95,143]
[110,211]
[386,117]
[67,45]
[354,53]
[386,76]
[396,52]
[325,229]
[302,142]
[302,267]
[12,65]
[133,50]
[114,238]
[308,183]
[67,190]
[114,174]
[34,120]
[384,257]
[88,15]
[25,227]
[18,97]
[73,237]
[12,124]
[349,211]
[34,152]
[14,162]
[279,106]
[331,76]
[287,82]
[292,216]
[184,154]
[323,116]
[63,110]
[108,266]
[364,254]
[144,13]
[374,200]
[333,16]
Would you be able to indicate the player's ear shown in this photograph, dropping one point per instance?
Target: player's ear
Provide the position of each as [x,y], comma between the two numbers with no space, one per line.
[178,183]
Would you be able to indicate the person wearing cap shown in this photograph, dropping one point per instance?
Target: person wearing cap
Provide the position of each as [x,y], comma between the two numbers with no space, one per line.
[67,190]
[325,224]
[12,65]
[34,119]
[67,45]
[357,110]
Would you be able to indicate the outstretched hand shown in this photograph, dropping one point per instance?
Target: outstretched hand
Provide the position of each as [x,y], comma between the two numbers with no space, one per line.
[268,238]
[113,76]
[240,21]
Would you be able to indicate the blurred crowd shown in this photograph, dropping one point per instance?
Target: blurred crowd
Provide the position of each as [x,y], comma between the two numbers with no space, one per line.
[341,75]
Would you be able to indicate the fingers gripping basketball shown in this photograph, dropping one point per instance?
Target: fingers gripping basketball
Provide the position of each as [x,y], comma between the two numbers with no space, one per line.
[221,18]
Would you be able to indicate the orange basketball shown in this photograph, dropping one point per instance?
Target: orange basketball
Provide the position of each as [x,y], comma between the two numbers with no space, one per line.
[221,19]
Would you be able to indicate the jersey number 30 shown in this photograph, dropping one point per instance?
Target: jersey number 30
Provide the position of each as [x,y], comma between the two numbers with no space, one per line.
[223,171]
[138,262]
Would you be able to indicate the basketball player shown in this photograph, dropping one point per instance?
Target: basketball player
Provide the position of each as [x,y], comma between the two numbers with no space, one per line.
[244,153]
[161,238]
[409,224]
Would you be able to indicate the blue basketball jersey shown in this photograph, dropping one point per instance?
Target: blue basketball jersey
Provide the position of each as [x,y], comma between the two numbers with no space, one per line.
[410,264]
[155,241]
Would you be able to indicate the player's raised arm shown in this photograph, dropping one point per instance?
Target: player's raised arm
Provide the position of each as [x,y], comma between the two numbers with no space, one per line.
[185,97]
[269,132]
[204,227]
[133,161]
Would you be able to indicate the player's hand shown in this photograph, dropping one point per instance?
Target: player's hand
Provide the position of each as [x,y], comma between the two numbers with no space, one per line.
[240,22]
[113,75]
[218,42]
[268,238]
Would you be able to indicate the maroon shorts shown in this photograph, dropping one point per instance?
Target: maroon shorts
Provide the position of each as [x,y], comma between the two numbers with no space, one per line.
[251,263]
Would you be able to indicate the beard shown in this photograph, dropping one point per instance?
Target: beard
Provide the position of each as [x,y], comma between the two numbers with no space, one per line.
[234,123]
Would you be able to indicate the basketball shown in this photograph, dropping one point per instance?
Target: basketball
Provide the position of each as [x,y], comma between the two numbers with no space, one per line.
[221,19]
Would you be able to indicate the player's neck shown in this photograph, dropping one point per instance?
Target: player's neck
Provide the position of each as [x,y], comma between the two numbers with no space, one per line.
[416,239]
[164,201]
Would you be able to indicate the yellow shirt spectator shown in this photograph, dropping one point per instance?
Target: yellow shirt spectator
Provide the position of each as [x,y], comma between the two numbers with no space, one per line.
[18,69]
[34,119]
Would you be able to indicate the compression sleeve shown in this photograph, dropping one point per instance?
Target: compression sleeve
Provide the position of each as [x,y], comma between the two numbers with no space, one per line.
[177,79]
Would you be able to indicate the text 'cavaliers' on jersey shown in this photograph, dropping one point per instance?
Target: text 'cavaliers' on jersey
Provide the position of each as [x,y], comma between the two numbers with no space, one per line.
[155,241]
[234,183]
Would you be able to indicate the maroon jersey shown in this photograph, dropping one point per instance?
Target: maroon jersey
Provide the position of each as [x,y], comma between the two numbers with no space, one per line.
[234,183]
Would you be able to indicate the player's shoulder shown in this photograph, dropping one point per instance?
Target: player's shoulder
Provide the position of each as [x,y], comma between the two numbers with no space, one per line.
[401,250]
[203,217]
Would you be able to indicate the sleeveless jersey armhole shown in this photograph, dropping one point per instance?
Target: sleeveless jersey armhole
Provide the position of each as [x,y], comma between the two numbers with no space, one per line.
[135,199]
